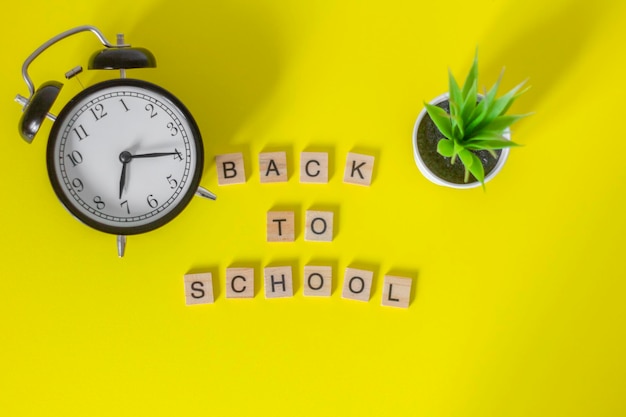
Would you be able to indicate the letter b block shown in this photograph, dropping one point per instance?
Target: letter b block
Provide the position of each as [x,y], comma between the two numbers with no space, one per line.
[230,169]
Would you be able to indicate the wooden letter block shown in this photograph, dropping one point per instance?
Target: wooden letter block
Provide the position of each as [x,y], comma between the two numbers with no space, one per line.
[273,166]
[357,284]
[281,226]
[278,282]
[230,169]
[319,226]
[314,167]
[318,281]
[239,282]
[397,291]
[199,288]
[359,169]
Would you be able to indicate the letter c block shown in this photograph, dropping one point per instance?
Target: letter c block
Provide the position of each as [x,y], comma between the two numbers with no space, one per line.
[199,288]
[314,167]
[239,282]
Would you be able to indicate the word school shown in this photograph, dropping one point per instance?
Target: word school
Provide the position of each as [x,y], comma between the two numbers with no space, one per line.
[278,283]
[313,168]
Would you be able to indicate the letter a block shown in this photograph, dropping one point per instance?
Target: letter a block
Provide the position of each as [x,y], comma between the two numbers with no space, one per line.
[278,282]
[230,169]
[281,226]
[357,284]
[199,288]
[239,282]
[314,167]
[319,226]
[318,281]
[359,169]
[397,291]
[273,166]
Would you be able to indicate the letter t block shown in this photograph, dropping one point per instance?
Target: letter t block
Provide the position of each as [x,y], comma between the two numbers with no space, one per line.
[281,226]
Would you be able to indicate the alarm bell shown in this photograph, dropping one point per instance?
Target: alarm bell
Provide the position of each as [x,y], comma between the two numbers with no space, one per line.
[37,105]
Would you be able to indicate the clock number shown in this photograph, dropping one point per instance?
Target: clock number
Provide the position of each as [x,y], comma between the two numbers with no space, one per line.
[78,184]
[150,108]
[124,104]
[172,128]
[75,158]
[172,181]
[99,203]
[98,111]
[80,132]
[178,155]
[125,203]
[152,202]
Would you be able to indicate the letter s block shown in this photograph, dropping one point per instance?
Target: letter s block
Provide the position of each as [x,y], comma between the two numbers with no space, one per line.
[230,169]
[199,288]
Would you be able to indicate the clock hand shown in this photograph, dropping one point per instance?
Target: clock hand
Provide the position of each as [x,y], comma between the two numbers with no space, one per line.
[125,158]
[154,154]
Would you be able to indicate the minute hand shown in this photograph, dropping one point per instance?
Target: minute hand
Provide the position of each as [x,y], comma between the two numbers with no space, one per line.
[154,154]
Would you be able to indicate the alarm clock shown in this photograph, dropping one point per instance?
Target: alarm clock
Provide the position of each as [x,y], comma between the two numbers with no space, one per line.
[124,156]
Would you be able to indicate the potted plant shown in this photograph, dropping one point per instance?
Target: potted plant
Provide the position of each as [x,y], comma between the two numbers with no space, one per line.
[467,127]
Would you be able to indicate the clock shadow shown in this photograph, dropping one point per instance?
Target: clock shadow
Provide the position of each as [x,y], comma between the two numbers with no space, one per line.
[222,61]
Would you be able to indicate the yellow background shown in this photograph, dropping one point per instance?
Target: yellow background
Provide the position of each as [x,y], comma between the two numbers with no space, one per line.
[518,306]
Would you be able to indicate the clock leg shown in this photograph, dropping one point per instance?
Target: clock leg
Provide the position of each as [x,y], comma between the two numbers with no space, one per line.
[121,245]
[204,193]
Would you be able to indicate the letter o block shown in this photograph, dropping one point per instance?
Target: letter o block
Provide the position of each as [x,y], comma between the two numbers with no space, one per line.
[357,284]
[319,226]
[318,281]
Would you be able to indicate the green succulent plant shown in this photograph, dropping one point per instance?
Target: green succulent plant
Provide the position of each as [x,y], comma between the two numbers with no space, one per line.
[476,121]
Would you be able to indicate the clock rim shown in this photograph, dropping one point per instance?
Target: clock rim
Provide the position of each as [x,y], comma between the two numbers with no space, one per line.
[179,205]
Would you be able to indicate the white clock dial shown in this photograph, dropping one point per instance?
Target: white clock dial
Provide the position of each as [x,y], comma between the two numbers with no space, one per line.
[125,156]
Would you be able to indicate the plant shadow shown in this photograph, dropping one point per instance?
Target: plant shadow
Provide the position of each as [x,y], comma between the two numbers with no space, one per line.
[544,52]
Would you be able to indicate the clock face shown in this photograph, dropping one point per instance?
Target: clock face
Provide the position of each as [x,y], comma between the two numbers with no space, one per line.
[125,156]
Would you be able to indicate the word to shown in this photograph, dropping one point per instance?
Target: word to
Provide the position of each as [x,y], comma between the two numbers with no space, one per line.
[318,226]
[278,283]
[313,168]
